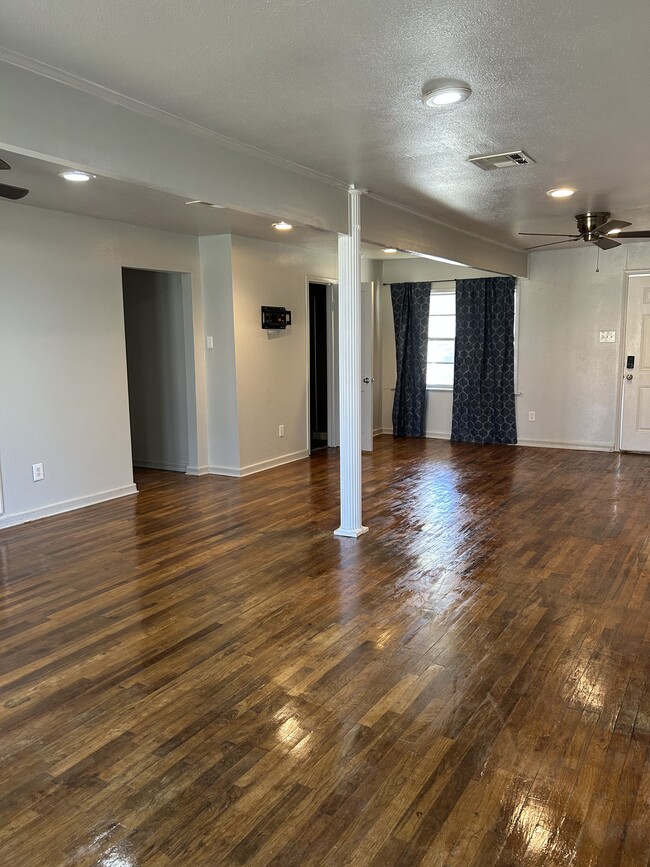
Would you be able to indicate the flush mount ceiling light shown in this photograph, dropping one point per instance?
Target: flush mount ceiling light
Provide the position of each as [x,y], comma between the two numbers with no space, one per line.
[75,176]
[437,94]
[389,250]
[560,193]
[282,226]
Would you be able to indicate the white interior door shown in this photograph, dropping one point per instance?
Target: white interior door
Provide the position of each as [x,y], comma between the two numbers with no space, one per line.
[367,305]
[635,416]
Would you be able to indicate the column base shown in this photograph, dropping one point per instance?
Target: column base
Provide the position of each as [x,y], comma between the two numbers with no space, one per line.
[352,534]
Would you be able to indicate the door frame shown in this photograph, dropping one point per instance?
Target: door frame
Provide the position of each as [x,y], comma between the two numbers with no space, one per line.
[332,362]
[642,272]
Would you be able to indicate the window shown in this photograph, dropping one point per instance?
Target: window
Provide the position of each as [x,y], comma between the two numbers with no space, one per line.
[442,334]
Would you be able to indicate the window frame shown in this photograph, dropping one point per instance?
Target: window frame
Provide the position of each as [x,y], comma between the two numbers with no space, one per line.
[441,291]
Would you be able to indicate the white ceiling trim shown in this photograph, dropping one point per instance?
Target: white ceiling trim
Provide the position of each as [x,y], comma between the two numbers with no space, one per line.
[112,96]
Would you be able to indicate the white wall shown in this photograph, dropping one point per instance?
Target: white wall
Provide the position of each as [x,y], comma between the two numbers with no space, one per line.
[220,365]
[155,353]
[63,386]
[566,375]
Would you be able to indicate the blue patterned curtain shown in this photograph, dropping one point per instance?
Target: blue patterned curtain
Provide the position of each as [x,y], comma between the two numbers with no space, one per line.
[411,318]
[484,362]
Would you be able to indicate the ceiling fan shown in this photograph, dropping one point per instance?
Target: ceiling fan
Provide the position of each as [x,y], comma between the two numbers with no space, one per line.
[596,227]
[6,190]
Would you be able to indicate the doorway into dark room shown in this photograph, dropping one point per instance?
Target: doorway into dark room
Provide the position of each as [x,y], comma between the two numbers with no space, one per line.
[318,366]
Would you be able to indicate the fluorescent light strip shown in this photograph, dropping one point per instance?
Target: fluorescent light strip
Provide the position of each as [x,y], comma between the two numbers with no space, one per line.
[437,259]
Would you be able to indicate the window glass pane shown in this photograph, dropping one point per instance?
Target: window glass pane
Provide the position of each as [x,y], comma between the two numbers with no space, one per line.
[442,326]
[440,374]
[441,351]
[443,303]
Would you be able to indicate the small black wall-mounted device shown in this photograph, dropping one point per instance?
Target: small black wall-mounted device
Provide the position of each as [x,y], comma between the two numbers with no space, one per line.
[630,362]
[275,317]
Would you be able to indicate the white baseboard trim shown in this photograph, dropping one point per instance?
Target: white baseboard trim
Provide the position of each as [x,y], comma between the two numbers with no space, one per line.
[160,465]
[12,520]
[378,432]
[240,472]
[429,434]
[577,446]
[197,471]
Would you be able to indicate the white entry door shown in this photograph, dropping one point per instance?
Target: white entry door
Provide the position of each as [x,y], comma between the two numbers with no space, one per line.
[635,416]
[367,379]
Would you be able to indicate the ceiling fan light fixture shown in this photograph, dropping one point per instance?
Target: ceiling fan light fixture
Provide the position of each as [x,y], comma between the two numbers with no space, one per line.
[560,193]
[282,226]
[75,176]
[613,232]
[438,94]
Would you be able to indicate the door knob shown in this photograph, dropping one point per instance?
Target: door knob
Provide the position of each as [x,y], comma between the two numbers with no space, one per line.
[365,379]
[629,377]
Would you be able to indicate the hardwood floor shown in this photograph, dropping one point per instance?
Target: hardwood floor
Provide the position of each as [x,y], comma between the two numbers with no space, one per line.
[204,675]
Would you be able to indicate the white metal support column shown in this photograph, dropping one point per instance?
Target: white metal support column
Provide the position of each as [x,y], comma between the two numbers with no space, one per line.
[350,369]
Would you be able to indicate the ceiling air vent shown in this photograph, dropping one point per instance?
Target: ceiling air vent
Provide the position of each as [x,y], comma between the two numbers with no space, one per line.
[501,161]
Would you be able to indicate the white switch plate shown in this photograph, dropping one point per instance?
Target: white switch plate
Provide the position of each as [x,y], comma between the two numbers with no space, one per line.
[38,472]
[607,337]
[281,430]
[209,343]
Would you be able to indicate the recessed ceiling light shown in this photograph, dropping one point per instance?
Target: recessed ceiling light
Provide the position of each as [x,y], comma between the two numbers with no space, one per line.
[281,226]
[389,250]
[560,193]
[440,93]
[77,177]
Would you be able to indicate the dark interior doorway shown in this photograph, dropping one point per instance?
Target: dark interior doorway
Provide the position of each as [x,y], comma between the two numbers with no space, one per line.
[156,368]
[318,365]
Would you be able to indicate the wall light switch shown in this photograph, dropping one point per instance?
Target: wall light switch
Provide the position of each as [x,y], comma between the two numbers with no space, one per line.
[607,337]
[37,472]
[209,343]
[280,430]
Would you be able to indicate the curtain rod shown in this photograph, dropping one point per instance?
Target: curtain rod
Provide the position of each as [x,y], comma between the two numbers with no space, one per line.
[451,280]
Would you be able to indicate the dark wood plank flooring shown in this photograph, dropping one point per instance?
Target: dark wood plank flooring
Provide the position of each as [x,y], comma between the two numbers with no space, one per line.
[204,675]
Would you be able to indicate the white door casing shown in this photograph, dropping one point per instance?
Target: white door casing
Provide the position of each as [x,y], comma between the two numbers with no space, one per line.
[367,379]
[635,411]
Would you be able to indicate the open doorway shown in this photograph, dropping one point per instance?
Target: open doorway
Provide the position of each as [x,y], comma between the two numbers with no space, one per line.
[156,354]
[318,366]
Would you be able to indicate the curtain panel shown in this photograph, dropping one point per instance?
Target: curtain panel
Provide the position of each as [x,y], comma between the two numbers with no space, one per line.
[411,319]
[484,362]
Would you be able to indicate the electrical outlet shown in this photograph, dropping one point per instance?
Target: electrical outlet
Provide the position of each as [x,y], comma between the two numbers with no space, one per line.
[531,415]
[607,337]
[281,430]
[37,472]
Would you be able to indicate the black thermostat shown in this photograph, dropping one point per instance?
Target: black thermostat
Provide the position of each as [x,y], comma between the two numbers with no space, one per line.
[275,317]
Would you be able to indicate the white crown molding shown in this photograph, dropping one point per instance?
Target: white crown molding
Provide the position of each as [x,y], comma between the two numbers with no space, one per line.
[90,87]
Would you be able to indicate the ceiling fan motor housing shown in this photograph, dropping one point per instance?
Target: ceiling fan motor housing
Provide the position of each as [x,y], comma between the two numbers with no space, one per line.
[589,223]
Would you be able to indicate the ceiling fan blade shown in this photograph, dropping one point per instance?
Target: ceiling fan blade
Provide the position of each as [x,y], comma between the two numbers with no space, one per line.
[606,243]
[7,192]
[612,224]
[642,233]
[552,244]
[4,165]
[548,235]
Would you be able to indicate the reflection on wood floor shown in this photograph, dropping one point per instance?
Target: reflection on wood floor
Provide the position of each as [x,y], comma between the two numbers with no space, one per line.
[204,675]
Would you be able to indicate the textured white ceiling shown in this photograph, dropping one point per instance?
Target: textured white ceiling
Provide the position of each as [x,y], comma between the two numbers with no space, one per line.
[336,87]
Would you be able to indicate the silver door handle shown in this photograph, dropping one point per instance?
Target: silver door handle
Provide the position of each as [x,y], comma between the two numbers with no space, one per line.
[365,379]
[629,377]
